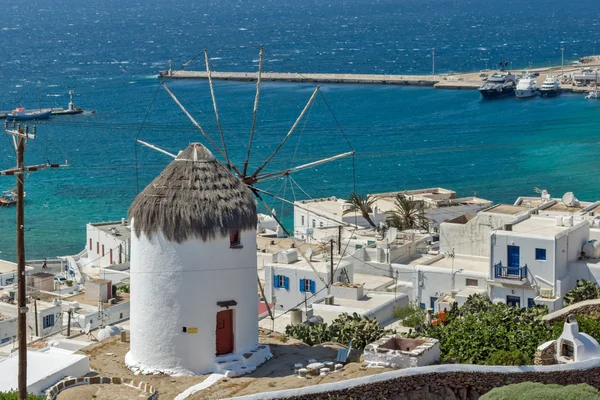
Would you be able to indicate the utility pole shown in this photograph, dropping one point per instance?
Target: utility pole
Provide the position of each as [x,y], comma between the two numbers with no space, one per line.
[433,61]
[562,59]
[20,137]
[340,240]
[331,264]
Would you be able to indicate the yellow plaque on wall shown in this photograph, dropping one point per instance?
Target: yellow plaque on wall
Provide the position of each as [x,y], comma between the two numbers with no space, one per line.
[192,330]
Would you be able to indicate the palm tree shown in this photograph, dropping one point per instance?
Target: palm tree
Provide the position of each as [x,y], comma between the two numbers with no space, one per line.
[363,205]
[407,215]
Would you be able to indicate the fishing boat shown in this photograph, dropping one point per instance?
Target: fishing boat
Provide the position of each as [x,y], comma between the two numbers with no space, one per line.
[20,114]
[550,87]
[9,198]
[498,85]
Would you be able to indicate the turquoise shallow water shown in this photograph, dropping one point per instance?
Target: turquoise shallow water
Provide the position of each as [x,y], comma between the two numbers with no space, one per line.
[405,137]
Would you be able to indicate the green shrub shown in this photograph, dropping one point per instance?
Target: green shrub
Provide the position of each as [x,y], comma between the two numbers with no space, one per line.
[506,357]
[584,290]
[14,395]
[361,330]
[124,288]
[478,329]
[539,391]
[69,283]
[411,315]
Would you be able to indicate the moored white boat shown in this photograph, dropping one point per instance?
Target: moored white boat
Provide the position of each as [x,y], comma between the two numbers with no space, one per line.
[550,87]
[527,87]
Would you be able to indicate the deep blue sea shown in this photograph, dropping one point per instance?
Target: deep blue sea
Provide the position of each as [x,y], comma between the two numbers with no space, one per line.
[109,52]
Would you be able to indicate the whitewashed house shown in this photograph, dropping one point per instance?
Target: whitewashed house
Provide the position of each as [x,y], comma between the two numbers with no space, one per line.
[108,243]
[530,260]
[194,306]
[290,282]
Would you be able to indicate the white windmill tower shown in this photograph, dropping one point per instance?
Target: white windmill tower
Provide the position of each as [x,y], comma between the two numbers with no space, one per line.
[194,305]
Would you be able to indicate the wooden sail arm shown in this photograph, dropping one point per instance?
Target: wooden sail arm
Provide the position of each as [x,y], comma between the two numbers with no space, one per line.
[304,110]
[274,175]
[260,64]
[214,101]
[339,222]
[197,125]
[258,196]
[155,148]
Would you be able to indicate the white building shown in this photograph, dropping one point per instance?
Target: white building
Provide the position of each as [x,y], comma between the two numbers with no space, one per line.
[193,271]
[438,205]
[45,368]
[531,260]
[108,243]
[49,317]
[8,272]
[290,282]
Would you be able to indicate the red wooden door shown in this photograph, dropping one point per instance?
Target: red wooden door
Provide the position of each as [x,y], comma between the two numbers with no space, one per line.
[224,332]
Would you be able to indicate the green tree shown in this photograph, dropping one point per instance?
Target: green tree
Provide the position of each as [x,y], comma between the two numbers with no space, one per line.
[584,290]
[362,205]
[407,214]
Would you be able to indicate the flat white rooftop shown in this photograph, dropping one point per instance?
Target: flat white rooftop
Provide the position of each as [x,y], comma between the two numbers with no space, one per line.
[44,368]
[540,226]
[7,266]
[479,264]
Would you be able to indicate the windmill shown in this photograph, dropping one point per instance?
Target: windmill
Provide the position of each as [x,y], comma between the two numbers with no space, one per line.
[252,177]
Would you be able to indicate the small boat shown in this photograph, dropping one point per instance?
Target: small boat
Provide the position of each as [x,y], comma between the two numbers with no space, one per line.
[498,85]
[9,198]
[550,87]
[594,94]
[527,87]
[20,114]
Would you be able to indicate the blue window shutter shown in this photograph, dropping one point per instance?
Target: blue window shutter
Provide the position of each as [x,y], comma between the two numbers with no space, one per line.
[302,285]
[286,283]
[312,287]
[51,320]
[276,281]
[44,323]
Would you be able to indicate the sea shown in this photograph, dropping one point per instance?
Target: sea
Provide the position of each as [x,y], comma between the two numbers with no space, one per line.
[110,52]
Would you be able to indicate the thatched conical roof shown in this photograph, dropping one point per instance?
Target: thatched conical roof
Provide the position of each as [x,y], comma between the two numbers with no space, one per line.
[194,197]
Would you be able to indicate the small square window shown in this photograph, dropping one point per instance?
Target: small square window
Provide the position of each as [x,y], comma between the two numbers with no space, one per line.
[314,223]
[234,240]
[321,224]
[306,287]
[472,282]
[280,281]
[302,221]
[540,254]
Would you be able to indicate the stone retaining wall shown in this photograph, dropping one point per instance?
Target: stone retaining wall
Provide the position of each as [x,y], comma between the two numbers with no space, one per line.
[146,388]
[441,382]
[588,308]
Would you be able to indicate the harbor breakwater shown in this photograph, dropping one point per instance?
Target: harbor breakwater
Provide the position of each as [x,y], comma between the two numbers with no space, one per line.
[454,81]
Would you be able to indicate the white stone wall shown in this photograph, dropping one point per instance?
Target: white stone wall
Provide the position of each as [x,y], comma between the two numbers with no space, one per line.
[424,354]
[8,330]
[178,285]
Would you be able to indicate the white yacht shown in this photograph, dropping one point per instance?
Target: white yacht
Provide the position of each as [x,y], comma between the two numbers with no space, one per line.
[527,87]
[550,87]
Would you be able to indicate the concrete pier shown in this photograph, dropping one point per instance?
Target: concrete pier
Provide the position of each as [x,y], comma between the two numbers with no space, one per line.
[454,81]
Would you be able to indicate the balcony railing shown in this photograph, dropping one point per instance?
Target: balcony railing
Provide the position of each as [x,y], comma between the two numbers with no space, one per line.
[516,273]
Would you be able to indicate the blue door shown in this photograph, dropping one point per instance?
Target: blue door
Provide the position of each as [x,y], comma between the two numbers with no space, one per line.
[432,301]
[513,301]
[514,260]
